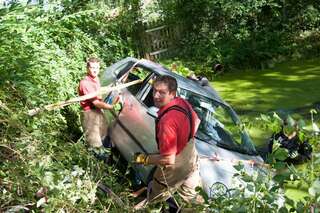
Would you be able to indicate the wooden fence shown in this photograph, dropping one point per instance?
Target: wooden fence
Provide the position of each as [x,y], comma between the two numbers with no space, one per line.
[158,40]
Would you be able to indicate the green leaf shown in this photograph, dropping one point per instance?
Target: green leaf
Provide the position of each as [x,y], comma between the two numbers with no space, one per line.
[276,116]
[289,201]
[283,209]
[300,207]
[247,178]
[250,187]
[239,167]
[315,188]
[279,165]
[281,154]
[264,118]
[280,178]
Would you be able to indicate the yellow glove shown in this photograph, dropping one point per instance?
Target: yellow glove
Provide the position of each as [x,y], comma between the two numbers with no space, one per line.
[140,158]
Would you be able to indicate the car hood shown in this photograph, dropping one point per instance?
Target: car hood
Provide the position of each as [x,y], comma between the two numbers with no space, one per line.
[217,164]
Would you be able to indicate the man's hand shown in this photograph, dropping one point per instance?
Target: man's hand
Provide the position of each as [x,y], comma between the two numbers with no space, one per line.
[140,158]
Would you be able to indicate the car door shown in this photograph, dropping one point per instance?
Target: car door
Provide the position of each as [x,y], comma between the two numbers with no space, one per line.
[133,130]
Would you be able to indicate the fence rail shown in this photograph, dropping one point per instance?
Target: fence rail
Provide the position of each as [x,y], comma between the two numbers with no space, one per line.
[158,40]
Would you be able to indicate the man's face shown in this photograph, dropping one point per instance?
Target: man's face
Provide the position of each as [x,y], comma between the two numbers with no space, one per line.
[161,94]
[93,69]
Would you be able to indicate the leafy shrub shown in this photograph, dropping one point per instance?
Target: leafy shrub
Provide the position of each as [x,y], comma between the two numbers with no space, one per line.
[250,34]
[43,55]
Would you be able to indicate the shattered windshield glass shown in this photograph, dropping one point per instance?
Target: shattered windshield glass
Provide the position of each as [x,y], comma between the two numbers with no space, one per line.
[219,124]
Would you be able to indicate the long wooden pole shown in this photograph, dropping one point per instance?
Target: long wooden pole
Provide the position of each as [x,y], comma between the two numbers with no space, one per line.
[103,90]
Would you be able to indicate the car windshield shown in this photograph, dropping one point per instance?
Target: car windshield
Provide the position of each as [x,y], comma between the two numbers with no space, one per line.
[219,124]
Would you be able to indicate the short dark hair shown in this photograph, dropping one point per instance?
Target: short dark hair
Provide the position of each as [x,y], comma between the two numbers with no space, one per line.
[92,60]
[170,81]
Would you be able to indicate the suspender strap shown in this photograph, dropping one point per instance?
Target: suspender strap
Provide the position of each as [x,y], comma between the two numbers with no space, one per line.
[180,109]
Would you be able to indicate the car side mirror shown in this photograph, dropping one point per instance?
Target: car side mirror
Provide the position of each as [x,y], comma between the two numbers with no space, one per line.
[153,111]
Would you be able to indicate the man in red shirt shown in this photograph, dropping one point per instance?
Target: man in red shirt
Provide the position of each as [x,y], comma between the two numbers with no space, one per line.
[93,121]
[177,166]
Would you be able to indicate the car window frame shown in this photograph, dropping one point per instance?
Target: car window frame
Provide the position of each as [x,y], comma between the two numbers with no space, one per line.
[144,86]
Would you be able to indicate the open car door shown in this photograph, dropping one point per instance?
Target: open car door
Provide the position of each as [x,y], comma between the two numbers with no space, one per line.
[133,129]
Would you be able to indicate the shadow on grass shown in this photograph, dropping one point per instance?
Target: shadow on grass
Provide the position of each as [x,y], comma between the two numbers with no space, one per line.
[288,86]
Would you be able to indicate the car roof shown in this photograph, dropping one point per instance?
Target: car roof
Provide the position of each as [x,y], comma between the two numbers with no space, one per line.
[183,82]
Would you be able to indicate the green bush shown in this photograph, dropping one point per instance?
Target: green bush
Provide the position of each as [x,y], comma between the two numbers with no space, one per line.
[42,54]
[244,34]
[44,166]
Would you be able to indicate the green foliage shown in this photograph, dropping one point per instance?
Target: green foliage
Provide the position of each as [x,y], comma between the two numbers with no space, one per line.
[43,53]
[242,34]
[255,192]
[45,165]
[306,176]
[262,191]
[186,68]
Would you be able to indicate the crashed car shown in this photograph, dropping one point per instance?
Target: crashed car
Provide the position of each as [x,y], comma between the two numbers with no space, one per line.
[221,140]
